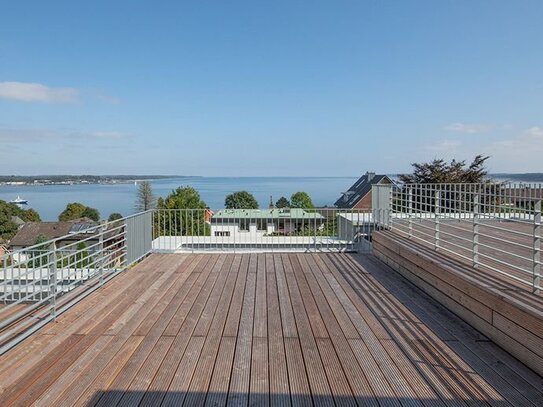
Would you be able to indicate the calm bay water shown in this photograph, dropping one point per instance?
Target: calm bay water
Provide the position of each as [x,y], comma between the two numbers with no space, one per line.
[50,200]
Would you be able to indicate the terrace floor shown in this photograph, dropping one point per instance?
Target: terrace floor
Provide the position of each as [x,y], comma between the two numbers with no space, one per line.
[262,329]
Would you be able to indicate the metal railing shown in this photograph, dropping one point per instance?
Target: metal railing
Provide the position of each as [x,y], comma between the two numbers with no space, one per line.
[239,230]
[39,282]
[492,225]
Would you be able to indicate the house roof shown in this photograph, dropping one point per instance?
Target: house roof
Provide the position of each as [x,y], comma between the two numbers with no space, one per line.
[360,189]
[284,213]
[17,220]
[30,231]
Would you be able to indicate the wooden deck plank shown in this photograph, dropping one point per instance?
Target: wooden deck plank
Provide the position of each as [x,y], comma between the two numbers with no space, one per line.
[263,329]
[279,388]
[260,327]
[259,387]
[288,323]
[240,380]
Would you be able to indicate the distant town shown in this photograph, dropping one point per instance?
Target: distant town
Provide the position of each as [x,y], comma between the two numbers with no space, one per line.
[14,180]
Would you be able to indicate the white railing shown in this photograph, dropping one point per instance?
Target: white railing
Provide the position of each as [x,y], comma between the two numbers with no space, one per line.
[492,225]
[239,230]
[39,282]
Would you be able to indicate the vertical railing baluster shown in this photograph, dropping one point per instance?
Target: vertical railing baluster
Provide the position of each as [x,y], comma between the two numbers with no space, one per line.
[475,241]
[53,280]
[437,197]
[536,265]
[101,257]
[410,209]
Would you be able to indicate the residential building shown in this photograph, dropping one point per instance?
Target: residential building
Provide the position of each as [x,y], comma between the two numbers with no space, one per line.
[263,222]
[358,196]
[70,230]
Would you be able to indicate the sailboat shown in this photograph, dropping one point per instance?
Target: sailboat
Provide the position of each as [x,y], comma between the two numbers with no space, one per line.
[19,201]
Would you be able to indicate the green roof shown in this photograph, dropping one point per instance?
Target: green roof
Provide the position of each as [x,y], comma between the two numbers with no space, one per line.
[293,213]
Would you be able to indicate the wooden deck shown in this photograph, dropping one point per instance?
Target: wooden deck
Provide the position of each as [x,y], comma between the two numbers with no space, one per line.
[266,329]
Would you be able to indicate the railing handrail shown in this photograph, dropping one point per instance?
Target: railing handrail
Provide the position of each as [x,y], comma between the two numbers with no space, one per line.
[94,230]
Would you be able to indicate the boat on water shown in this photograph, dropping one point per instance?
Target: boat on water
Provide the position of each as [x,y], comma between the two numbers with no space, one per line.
[19,201]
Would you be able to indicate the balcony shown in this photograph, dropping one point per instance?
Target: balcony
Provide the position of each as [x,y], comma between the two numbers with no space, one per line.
[161,311]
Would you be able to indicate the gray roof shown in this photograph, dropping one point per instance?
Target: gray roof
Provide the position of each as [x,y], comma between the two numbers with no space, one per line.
[30,231]
[360,189]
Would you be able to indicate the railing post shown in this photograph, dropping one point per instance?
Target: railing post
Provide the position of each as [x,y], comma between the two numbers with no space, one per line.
[437,198]
[410,208]
[475,242]
[537,247]
[53,280]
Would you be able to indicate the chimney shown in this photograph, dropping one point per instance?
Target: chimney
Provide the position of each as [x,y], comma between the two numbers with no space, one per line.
[370,175]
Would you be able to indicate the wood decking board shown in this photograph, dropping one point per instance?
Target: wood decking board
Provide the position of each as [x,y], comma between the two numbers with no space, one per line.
[262,329]
[482,355]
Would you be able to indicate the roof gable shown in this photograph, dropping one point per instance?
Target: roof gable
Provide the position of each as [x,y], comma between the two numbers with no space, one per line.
[360,189]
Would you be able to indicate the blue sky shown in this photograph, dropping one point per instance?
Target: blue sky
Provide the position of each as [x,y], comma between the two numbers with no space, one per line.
[247,88]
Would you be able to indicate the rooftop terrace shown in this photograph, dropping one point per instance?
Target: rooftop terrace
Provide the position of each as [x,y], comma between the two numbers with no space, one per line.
[261,329]
[431,298]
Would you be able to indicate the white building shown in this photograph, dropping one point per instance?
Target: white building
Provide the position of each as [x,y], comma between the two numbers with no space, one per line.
[263,222]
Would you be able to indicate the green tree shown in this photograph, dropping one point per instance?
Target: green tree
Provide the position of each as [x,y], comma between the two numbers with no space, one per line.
[282,203]
[91,213]
[440,171]
[114,216]
[76,210]
[240,200]
[182,213]
[301,200]
[452,198]
[8,228]
[145,198]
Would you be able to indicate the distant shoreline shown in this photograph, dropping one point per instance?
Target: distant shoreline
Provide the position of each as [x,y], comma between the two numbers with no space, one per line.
[43,180]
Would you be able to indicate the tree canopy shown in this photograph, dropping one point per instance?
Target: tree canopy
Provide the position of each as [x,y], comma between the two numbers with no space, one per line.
[182,198]
[182,223]
[145,198]
[114,216]
[76,210]
[301,200]
[240,200]
[8,228]
[282,203]
[440,171]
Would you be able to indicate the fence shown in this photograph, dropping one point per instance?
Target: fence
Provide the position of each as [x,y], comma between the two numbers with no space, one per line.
[490,225]
[40,282]
[239,230]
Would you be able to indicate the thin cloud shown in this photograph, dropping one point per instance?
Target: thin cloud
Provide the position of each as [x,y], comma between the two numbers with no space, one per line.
[535,132]
[468,128]
[519,153]
[21,136]
[36,92]
[111,135]
[443,146]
